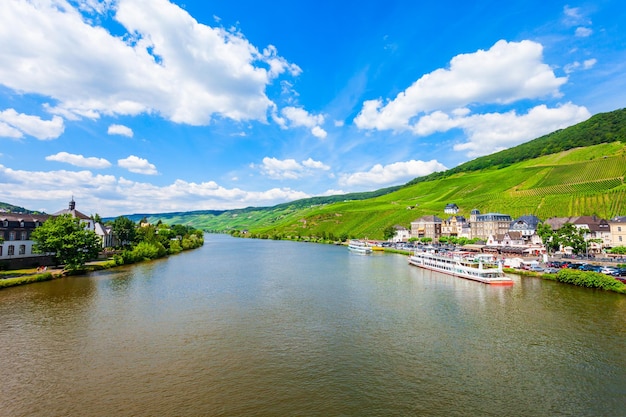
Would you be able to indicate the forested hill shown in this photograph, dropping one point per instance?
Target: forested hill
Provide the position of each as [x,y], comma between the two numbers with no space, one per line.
[6,207]
[601,128]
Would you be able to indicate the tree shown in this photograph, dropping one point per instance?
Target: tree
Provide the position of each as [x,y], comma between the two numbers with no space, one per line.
[620,250]
[124,229]
[71,244]
[389,232]
[570,235]
[548,237]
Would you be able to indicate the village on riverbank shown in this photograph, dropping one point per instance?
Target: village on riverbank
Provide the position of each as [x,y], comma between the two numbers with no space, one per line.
[525,245]
[35,247]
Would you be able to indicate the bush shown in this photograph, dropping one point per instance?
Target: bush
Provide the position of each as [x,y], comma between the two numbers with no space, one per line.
[145,250]
[590,280]
[175,247]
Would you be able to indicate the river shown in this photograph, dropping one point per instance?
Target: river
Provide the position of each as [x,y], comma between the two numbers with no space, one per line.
[244,327]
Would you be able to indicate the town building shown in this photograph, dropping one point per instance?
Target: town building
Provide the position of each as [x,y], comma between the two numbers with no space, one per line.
[16,249]
[484,225]
[617,226]
[451,208]
[455,226]
[402,234]
[526,225]
[426,226]
[595,229]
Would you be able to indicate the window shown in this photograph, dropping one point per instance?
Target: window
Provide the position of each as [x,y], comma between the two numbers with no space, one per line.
[1,247]
[11,235]
[24,236]
[620,238]
[22,249]
[11,250]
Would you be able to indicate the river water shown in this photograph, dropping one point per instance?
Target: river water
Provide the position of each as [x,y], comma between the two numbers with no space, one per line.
[244,327]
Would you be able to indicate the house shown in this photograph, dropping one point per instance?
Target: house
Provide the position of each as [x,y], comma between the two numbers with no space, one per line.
[402,234]
[456,226]
[426,226]
[16,250]
[617,226]
[526,225]
[594,227]
[484,225]
[451,208]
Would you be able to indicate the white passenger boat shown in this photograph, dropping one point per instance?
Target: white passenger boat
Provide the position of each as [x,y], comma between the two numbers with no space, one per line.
[359,246]
[462,264]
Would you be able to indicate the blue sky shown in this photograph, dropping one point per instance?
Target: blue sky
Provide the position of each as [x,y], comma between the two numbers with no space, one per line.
[146,106]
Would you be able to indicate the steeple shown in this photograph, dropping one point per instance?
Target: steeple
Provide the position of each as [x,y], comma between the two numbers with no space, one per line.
[72,204]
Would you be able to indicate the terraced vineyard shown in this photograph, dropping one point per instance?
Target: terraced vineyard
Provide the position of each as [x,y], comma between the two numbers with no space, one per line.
[583,181]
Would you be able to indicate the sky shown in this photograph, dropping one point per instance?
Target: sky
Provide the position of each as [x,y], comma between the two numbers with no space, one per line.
[153,106]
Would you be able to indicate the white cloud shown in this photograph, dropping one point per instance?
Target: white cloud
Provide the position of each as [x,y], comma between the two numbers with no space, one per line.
[508,72]
[488,133]
[137,165]
[30,125]
[297,116]
[585,65]
[395,173]
[111,196]
[120,130]
[79,160]
[290,168]
[166,63]
[574,16]
[318,132]
[583,32]
[7,131]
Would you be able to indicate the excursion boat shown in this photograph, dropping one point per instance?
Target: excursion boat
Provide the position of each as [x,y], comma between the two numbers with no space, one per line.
[479,268]
[359,246]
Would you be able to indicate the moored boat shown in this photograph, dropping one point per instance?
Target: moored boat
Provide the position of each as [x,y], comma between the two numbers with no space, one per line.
[359,246]
[462,264]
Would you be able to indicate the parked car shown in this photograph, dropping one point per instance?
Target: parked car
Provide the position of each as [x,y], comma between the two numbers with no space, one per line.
[535,268]
[608,270]
[619,272]
[551,270]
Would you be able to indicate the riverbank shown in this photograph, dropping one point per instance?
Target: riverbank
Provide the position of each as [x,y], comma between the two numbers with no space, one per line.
[32,275]
[587,279]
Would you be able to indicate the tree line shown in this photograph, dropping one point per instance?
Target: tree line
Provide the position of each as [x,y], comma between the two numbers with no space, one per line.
[66,239]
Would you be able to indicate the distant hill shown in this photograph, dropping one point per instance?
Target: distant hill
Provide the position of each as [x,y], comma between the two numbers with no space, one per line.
[601,128]
[6,207]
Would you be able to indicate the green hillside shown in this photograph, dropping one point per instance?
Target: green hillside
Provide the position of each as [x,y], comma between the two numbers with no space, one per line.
[582,181]
[574,171]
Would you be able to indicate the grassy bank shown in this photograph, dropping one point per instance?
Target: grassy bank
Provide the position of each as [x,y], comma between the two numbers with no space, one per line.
[26,279]
[587,279]
[29,276]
